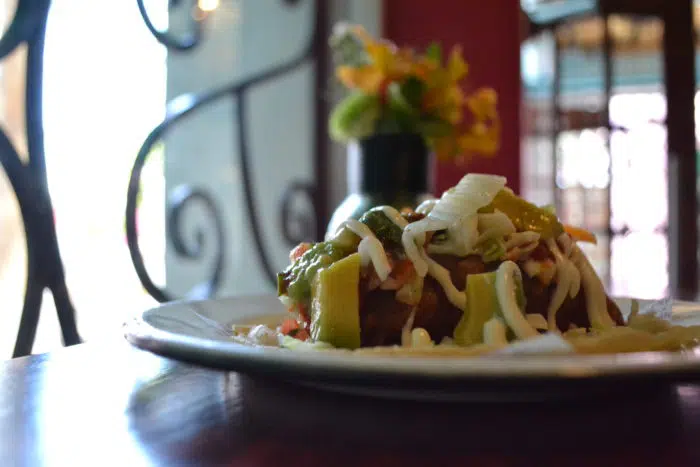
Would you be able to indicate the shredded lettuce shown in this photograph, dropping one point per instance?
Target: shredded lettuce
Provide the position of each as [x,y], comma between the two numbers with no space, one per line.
[491,249]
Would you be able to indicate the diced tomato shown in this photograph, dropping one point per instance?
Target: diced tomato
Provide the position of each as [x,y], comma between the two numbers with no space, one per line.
[298,251]
[403,271]
[300,310]
[290,327]
[302,334]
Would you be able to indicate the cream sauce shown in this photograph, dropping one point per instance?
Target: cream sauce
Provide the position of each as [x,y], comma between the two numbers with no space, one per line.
[563,281]
[457,297]
[406,329]
[394,216]
[596,301]
[455,210]
[426,206]
[370,249]
[506,276]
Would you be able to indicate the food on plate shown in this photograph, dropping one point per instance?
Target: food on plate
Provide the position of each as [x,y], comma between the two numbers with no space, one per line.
[479,270]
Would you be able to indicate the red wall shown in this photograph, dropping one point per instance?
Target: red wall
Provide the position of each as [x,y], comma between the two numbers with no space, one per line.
[489,32]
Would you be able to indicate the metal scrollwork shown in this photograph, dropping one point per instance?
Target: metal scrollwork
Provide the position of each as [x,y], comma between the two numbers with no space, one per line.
[29,182]
[294,227]
[190,39]
[297,227]
[182,197]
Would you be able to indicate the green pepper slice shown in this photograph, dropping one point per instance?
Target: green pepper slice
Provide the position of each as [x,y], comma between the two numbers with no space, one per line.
[525,215]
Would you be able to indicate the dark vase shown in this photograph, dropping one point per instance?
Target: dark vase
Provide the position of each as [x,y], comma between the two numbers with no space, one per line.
[385,169]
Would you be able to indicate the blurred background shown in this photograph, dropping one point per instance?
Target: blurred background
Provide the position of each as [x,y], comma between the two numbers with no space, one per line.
[582,93]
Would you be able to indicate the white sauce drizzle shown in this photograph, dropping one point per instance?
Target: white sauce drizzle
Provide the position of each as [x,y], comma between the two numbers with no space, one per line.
[565,241]
[426,206]
[596,301]
[506,275]
[457,297]
[564,283]
[406,329]
[370,248]
[413,239]
[394,216]
[451,212]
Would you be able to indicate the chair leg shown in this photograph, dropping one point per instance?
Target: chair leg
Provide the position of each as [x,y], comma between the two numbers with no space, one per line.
[66,315]
[30,315]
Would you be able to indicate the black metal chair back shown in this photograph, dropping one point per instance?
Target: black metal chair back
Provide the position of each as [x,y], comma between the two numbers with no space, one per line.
[29,180]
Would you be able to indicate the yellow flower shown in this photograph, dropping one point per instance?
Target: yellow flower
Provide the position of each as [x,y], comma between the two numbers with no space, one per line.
[387,64]
[485,133]
[481,136]
[367,78]
[456,66]
[444,97]
[455,125]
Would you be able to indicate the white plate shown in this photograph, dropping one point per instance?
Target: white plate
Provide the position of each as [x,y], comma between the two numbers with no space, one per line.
[200,333]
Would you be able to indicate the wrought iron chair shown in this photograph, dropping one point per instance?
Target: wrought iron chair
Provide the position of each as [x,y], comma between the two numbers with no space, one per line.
[29,181]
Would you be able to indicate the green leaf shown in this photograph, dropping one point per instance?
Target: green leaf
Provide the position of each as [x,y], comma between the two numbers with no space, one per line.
[398,101]
[412,91]
[434,52]
[434,128]
[354,117]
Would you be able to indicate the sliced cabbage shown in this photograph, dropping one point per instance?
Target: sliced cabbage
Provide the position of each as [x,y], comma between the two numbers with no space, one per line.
[473,192]
[494,225]
[452,212]
[491,249]
[426,206]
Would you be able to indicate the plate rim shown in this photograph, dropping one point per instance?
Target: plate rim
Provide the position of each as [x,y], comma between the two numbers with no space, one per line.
[232,356]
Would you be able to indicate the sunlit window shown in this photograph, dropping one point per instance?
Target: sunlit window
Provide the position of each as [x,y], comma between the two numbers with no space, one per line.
[104,90]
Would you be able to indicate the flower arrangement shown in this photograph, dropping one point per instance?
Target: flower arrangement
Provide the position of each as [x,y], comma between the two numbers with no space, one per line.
[397,90]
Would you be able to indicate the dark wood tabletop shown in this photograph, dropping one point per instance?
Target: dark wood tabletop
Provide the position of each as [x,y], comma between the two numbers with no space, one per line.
[109,404]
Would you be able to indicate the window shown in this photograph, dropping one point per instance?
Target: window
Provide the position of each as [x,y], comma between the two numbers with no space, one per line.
[104,90]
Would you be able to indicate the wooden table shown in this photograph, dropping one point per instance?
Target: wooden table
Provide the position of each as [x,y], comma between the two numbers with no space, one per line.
[109,404]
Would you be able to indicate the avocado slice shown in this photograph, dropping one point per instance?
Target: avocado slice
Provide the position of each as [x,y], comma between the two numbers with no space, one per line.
[482,305]
[335,304]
